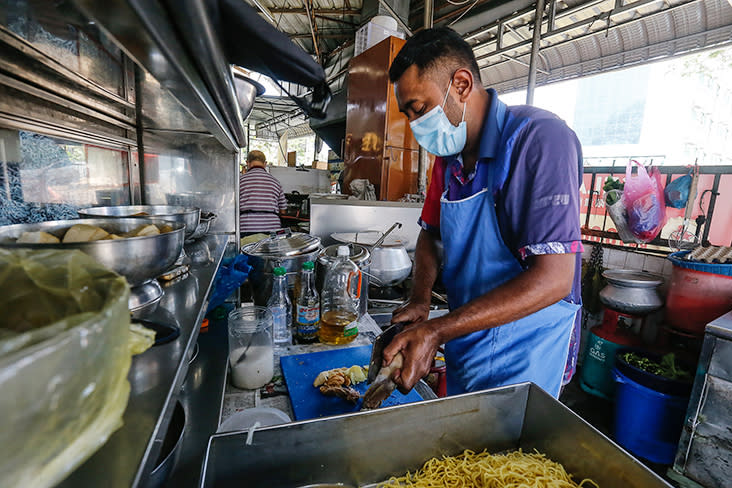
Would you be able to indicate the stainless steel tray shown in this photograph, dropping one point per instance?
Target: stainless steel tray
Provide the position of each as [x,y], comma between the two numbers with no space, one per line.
[368,447]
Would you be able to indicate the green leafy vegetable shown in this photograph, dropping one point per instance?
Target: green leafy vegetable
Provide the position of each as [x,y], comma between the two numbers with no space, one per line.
[666,368]
[612,183]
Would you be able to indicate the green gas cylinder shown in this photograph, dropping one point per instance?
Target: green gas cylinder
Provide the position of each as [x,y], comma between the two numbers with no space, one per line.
[616,331]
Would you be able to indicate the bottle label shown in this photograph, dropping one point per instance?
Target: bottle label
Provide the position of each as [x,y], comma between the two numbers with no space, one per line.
[351,329]
[308,320]
[308,314]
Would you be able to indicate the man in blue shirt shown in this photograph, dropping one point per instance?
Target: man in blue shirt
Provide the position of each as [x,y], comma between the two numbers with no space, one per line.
[504,201]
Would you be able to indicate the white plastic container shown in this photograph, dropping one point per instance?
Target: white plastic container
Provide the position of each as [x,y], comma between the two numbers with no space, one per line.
[373,33]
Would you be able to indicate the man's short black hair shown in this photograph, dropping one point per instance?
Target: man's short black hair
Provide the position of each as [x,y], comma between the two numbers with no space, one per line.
[435,48]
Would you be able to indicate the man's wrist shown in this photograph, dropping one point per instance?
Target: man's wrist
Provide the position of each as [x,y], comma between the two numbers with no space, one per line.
[435,331]
[421,297]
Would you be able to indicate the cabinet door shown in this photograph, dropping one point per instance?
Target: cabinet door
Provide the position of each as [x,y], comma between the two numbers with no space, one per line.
[400,172]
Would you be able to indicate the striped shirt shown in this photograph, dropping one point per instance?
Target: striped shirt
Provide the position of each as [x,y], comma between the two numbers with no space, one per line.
[260,200]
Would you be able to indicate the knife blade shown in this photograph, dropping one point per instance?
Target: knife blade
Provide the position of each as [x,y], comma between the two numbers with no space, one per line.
[381,341]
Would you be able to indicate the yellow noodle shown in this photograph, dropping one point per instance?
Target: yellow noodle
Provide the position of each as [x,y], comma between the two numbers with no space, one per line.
[512,470]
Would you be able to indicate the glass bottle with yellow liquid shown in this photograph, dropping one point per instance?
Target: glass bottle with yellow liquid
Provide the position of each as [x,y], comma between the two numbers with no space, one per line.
[339,300]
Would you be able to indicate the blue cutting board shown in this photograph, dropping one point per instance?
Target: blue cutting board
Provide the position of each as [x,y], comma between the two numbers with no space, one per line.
[300,371]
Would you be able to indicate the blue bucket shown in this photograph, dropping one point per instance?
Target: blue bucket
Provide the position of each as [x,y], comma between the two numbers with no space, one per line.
[647,423]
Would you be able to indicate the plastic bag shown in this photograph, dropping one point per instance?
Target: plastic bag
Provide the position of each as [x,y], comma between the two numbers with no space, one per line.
[676,193]
[618,214]
[64,361]
[231,275]
[644,202]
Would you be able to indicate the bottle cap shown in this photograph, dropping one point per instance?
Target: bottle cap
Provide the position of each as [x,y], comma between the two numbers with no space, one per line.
[279,271]
[343,251]
[308,265]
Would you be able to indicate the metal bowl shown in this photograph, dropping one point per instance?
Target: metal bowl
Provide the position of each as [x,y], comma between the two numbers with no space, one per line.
[189,216]
[246,91]
[138,259]
[207,201]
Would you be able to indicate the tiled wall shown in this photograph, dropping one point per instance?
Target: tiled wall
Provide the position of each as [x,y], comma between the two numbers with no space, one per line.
[619,259]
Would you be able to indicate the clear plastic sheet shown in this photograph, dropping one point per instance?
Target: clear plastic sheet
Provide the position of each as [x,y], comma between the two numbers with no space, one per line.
[64,359]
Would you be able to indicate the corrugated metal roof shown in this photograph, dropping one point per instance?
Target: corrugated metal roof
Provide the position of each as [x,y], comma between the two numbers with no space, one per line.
[600,39]
[587,36]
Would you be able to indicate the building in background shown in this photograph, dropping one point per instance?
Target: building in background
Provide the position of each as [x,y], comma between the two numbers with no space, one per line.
[672,112]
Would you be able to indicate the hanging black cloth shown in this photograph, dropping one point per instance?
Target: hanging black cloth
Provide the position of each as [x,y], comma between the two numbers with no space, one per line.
[251,42]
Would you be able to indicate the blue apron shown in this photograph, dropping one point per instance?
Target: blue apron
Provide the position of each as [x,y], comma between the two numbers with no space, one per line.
[533,348]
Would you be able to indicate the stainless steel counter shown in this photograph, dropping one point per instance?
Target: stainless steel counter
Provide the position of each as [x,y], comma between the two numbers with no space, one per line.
[155,377]
[721,327]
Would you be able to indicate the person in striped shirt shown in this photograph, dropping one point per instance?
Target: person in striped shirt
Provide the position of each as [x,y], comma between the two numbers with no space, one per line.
[261,199]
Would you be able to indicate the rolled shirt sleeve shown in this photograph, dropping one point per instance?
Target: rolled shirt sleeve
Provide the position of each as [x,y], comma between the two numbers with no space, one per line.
[540,198]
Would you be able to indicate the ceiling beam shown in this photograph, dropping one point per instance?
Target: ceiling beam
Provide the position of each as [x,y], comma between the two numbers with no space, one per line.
[319,11]
[322,35]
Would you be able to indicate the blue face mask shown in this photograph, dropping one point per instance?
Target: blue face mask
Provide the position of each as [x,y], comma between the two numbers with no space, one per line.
[435,132]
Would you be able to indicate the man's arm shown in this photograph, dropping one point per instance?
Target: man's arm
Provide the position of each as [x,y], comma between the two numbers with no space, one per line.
[426,265]
[547,280]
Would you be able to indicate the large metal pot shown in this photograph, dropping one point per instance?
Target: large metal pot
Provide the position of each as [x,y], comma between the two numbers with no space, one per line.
[390,262]
[631,292]
[390,265]
[284,248]
[188,216]
[361,257]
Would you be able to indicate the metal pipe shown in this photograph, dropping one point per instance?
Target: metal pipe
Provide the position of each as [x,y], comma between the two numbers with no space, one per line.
[423,160]
[535,46]
[264,10]
[523,64]
[710,209]
[428,13]
[312,30]
[270,18]
[396,16]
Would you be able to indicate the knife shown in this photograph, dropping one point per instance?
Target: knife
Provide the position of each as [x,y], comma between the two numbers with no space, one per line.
[381,341]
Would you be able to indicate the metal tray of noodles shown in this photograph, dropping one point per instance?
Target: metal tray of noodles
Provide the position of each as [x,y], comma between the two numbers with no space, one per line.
[368,447]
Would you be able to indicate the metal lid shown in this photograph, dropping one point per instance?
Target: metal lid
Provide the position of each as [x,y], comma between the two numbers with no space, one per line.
[359,254]
[369,238]
[632,278]
[283,243]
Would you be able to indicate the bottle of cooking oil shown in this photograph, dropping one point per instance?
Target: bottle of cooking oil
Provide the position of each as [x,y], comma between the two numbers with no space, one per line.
[307,306]
[339,300]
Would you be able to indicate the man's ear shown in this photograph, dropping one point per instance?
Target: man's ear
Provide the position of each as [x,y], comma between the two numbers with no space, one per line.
[463,82]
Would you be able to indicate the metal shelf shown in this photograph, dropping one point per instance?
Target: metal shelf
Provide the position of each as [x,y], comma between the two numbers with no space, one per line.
[155,377]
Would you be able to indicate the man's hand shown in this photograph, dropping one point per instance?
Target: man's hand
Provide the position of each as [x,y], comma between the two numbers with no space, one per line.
[411,312]
[418,344]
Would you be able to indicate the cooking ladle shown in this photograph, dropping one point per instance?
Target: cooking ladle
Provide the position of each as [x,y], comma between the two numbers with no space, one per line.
[397,225]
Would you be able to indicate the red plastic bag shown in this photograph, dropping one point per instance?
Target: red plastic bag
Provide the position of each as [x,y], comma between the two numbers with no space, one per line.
[644,202]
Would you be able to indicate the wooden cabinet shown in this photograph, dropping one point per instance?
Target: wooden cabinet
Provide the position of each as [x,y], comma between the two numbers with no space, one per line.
[379,144]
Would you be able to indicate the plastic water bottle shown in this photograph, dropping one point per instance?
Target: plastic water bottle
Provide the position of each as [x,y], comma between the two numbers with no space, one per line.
[307,306]
[339,302]
[281,308]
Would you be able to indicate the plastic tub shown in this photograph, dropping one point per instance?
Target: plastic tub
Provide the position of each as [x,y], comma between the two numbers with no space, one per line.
[698,293]
[647,423]
[654,381]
